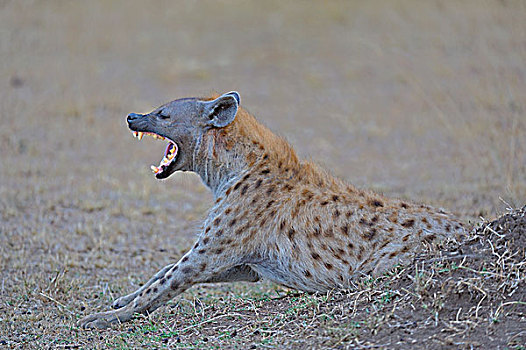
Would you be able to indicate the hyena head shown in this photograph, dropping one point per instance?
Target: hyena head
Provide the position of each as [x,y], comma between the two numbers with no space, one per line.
[182,123]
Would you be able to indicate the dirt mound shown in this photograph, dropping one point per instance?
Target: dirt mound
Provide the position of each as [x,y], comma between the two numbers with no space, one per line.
[468,294]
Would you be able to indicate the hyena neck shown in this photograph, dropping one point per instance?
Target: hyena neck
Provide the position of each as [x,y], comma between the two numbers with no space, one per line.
[224,155]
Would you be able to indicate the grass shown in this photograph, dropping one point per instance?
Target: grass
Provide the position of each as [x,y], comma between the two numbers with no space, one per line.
[419,100]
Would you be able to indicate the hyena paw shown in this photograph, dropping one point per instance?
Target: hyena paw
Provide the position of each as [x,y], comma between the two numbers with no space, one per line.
[103,319]
[123,301]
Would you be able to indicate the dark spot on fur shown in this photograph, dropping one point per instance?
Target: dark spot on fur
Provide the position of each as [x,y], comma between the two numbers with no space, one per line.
[265,171]
[196,245]
[350,246]
[307,274]
[185,259]
[307,194]
[232,222]
[336,213]
[405,249]
[335,198]
[175,267]
[205,240]
[317,231]
[370,235]
[219,233]
[328,266]
[323,203]
[237,185]
[317,219]
[202,267]
[408,223]
[405,238]
[263,221]
[258,183]
[448,228]
[430,238]
[227,211]
[207,229]
[392,255]
[360,254]
[186,269]
[376,203]
[244,189]
[217,221]
[282,225]
[219,251]
[270,190]
[246,177]
[374,219]
[345,229]
[315,256]
[265,157]
[162,281]
[403,205]
[288,187]
[148,291]
[269,204]
[168,276]
[228,191]
[348,214]
[174,285]
[291,233]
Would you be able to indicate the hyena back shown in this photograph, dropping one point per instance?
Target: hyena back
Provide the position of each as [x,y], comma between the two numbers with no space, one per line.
[275,216]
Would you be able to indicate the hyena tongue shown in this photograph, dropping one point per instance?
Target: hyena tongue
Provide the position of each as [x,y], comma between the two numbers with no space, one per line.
[169,157]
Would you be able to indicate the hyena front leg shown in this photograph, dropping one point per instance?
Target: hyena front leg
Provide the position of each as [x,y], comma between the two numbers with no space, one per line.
[125,300]
[195,267]
[237,273]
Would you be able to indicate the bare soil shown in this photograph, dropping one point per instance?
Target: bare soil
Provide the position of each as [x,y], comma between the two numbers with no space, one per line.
[422,100]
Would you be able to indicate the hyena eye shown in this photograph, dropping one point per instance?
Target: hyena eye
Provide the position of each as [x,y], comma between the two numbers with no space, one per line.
[162,115]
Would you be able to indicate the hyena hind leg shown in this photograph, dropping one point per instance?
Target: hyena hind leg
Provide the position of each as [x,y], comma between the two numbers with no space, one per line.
[125,300]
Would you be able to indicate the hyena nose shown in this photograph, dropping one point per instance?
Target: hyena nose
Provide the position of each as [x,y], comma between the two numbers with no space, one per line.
[133,116]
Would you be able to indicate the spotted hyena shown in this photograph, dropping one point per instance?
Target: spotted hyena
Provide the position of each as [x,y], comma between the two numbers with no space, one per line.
[275,215]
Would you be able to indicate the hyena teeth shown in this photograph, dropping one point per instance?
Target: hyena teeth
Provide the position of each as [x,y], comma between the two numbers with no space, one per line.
[154,169]
[140,135]
[135,133]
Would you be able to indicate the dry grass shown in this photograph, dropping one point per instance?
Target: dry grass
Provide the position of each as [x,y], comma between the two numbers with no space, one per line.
[421,100]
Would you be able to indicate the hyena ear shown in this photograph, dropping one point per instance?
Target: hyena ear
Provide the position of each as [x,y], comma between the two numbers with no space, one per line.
[221,111]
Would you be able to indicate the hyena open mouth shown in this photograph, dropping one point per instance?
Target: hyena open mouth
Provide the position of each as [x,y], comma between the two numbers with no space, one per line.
[170,154]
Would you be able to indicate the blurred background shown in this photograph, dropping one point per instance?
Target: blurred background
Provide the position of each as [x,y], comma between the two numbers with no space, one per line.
[424,100]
